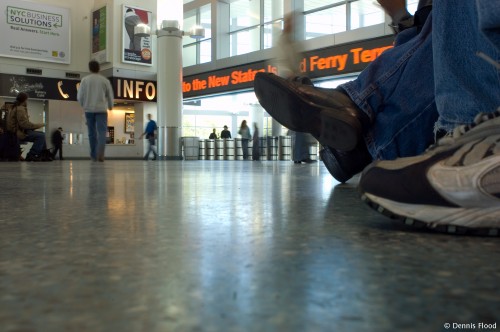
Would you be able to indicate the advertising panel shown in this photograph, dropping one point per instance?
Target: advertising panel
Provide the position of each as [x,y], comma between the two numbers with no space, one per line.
[34,31]
[99,47]
[137,50]
[38,87]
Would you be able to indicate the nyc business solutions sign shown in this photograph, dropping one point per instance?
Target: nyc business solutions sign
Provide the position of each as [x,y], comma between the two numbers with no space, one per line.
[34,31]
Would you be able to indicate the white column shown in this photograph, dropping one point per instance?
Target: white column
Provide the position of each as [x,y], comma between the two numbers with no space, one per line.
[169,81]
[169,94]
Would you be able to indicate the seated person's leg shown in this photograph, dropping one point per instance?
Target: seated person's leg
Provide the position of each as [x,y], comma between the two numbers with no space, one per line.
[397,91]
[453,187]
[38,139]
[398,86]
[465,83]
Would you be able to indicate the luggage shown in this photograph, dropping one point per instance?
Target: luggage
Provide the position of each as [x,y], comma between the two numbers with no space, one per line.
[10,149]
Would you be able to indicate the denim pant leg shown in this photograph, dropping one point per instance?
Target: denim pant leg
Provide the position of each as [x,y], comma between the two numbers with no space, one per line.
[90,118]
[152,147]
[38,139]
[489,20]
[397,92]
[101,127]
[465,83]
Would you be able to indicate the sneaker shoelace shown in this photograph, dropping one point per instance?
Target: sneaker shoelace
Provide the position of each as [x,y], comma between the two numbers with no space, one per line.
[461,130]
[480,118]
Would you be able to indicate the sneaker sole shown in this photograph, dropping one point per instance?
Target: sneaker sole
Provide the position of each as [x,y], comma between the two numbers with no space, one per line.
[459,221]
[335,130]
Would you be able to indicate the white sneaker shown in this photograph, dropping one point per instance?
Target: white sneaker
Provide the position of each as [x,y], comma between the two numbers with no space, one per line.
[453,187]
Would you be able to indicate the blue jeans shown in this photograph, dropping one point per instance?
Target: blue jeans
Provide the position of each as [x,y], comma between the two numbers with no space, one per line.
[397,92]
[489,20]
[38,139]
[151,144]
[428,81]
[97,124]
[465,83]
[244,146]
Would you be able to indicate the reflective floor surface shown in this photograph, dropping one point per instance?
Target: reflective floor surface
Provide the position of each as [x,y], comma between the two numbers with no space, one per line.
[224,246]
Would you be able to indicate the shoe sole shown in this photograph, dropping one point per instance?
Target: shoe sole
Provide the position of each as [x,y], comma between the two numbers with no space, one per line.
[458,221]
[334,167]
[335,130]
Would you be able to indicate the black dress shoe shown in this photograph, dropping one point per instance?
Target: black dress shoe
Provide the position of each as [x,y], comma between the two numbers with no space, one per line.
[308,161]
[343,165]
[328,114]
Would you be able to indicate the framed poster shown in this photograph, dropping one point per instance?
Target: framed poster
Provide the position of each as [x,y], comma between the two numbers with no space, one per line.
[129,122]
[35,31]
[99,47]
[137,50]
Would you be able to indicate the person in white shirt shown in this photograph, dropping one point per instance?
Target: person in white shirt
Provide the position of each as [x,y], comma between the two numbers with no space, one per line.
[95,95]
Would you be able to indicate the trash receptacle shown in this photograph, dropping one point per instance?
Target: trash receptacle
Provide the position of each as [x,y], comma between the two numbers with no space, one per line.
[190,147]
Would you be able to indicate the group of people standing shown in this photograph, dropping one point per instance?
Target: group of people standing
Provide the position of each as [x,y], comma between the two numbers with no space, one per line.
[246,136]
[225,133]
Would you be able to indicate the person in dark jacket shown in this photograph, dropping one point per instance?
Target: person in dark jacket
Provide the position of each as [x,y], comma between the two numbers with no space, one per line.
[225,133]
[57,141]
[213,134]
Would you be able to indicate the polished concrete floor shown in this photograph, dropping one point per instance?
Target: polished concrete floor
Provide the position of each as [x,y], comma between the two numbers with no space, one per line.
[224,246]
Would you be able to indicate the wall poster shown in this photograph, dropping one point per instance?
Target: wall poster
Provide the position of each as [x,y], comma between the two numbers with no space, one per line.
[129,122]
[34,31]
[138,50]
[99,49]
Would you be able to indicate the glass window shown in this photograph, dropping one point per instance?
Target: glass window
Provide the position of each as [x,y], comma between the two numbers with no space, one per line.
[314,4]
[197,51]
[244,14]
[189,55]
[273,10]
[365,13]
[268,127]
[326,22]
[203,125]
[205,51]
[189,125]
[272,32]
[245,41]
[206,20]
[189,22]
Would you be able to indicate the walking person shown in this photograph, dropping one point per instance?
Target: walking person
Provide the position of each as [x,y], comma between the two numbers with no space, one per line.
[256,143]
[245,137]
[57,141]
[95,95]
[150,133]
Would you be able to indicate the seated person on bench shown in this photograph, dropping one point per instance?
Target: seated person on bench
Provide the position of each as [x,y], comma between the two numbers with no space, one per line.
[18,122]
